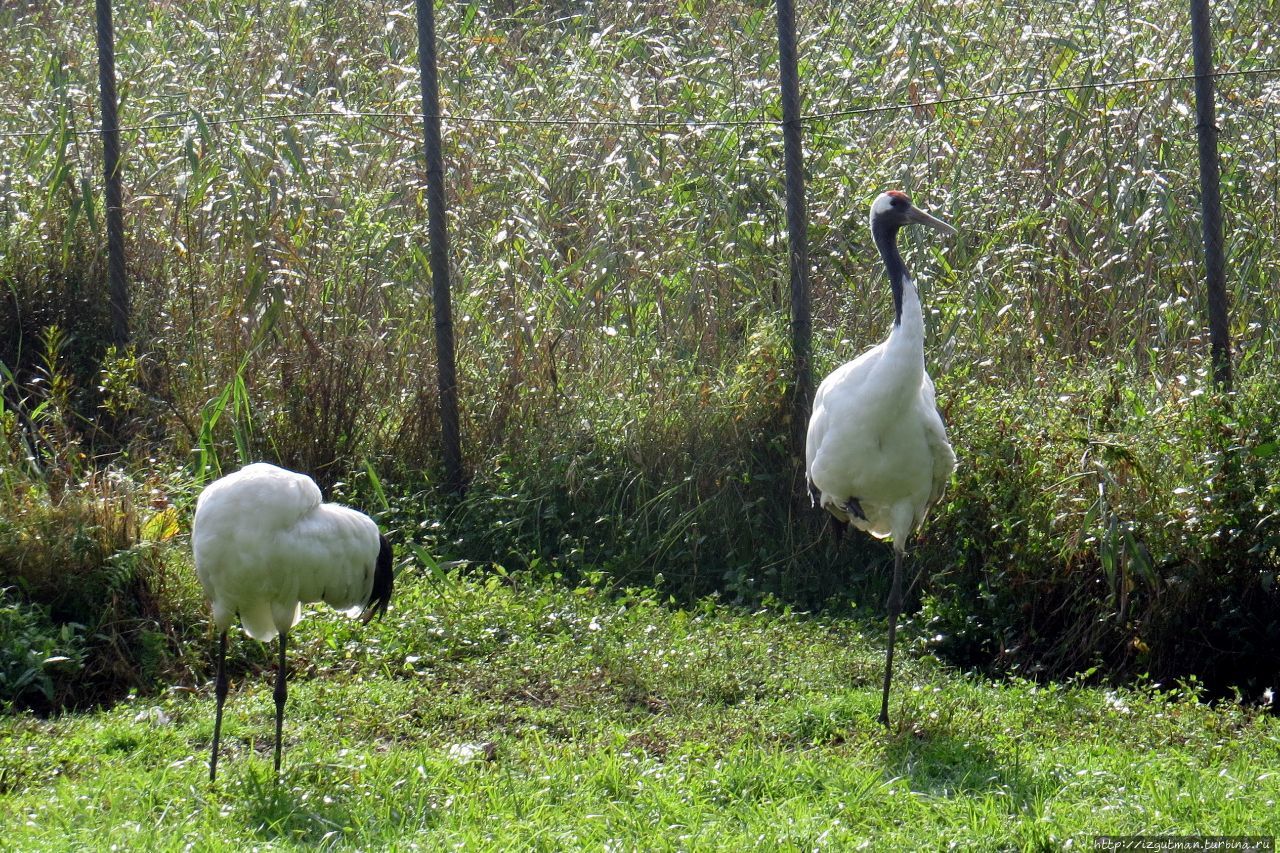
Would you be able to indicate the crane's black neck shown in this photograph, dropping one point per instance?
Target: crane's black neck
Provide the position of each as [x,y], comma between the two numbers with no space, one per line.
[886,236]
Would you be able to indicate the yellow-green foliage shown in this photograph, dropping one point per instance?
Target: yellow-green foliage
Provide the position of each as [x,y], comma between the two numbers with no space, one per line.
[86,557]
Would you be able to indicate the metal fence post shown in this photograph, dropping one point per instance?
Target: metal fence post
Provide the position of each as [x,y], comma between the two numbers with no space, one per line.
[117,283]
[1210,194]
[447,376]
[797,227]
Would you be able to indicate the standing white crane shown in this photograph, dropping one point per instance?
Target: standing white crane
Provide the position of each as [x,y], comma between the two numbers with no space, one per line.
[264,545]
[877,454]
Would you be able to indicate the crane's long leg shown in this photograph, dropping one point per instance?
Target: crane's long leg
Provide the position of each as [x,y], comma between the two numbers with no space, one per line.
[220,691]
[895,607]
[281,693]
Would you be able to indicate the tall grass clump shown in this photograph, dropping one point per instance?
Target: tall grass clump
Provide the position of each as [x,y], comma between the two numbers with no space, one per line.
[685,479]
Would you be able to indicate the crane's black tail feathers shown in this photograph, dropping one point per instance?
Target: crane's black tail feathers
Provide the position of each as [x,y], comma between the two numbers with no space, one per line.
[837,525]
[854,509]
[383,576]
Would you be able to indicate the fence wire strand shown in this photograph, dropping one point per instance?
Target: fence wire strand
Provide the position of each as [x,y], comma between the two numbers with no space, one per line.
[660,124]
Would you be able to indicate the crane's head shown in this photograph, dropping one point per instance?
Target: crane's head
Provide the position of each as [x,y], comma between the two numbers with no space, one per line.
[894,210]
[380,595]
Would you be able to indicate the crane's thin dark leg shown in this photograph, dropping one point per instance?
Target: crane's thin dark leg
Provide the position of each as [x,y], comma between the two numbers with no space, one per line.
[220,691]
[895,607]
[837,529]
[281,693]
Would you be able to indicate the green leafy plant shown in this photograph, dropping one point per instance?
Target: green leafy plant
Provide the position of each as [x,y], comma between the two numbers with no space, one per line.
[39,661]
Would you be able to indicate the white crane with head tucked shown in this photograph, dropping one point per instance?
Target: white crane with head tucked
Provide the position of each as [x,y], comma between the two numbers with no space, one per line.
[264,545]
[877,455]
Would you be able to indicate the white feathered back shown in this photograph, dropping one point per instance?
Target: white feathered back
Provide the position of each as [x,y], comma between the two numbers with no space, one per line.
[264,544]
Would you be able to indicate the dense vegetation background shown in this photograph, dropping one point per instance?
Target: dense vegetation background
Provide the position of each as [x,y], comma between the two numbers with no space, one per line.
[621,320]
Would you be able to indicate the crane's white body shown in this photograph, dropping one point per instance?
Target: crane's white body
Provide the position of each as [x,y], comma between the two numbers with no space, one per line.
[265,544]
[875,435]
[876,453]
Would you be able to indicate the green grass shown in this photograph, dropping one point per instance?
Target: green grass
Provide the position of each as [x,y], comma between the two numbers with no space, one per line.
[626,723]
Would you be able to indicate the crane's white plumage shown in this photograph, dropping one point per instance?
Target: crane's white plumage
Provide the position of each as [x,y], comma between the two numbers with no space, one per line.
[877,454]
[264,545]
[875,434]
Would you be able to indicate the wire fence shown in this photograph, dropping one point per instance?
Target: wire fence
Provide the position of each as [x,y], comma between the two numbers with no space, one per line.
[610,179]
[617,124]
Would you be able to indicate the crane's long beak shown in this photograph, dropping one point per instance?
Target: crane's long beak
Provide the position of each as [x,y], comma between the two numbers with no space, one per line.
[918,215]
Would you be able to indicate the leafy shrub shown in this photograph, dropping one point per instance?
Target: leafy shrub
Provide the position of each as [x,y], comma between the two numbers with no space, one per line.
[1102,521]
[39,660]
[86,554]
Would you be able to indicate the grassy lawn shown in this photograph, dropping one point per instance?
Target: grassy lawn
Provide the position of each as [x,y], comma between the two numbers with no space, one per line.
[619,722]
